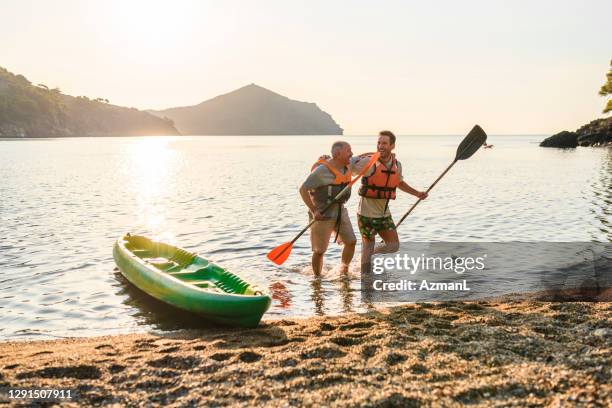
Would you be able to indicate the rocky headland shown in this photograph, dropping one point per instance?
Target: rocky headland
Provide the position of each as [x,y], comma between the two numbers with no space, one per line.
[595,133]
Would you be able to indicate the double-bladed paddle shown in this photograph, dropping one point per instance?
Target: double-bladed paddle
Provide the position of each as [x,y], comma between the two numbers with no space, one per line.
[280,254]
[466,149]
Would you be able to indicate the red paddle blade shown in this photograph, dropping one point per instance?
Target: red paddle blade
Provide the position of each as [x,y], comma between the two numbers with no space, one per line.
[280,254]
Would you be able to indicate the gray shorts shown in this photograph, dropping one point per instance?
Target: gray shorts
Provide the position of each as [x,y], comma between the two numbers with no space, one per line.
[321,232]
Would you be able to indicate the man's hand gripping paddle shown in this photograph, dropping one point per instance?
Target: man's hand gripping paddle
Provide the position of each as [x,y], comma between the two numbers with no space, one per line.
[280,254]
[466,149]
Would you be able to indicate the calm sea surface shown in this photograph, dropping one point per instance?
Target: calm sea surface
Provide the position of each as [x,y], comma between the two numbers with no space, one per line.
[63,202]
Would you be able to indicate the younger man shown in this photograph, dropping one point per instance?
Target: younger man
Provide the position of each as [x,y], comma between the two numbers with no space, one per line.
[378,187]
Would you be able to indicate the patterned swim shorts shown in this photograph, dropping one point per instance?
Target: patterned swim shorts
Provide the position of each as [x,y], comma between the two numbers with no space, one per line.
[369,227]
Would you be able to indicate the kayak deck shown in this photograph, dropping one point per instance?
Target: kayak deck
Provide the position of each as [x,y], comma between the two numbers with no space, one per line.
[186,280]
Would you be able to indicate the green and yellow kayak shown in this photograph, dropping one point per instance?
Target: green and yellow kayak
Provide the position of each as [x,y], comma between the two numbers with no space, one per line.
[189,282]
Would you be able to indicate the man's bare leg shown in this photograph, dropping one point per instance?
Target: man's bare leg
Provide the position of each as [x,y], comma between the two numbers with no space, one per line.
[367,249]
[390,242]
[347,256]
[317,262]
[319,240]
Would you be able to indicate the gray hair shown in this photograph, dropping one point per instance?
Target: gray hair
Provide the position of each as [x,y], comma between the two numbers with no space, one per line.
[337,146]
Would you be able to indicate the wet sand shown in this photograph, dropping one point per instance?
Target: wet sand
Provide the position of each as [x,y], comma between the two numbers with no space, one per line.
[511,353]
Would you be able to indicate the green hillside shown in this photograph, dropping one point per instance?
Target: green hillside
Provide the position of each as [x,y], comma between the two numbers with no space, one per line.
[28,110]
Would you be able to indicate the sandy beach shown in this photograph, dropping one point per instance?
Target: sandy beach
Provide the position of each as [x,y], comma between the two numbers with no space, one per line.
[511,353]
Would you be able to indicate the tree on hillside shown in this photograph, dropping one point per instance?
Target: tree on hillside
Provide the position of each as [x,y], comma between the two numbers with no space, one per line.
[606,89]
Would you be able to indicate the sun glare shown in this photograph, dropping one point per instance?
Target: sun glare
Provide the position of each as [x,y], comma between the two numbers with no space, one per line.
[150,161]
[151,166]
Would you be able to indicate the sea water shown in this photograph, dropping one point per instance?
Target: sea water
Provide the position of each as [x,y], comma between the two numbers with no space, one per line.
[63,202]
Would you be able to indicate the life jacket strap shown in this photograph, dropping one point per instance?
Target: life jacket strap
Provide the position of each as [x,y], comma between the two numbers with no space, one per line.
[378,188]
[338,222]
[388,172]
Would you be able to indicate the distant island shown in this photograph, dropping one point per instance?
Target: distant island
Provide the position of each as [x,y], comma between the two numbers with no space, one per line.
[28,110]
[251,110]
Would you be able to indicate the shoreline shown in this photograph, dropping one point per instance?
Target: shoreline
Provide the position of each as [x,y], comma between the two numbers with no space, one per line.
[487,352]
[565,295]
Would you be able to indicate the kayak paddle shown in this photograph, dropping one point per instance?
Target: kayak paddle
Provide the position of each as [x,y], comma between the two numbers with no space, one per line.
[280,254]
[466,149]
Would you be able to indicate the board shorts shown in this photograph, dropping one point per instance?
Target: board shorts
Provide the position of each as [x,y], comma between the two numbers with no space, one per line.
[369,227]
[321,232]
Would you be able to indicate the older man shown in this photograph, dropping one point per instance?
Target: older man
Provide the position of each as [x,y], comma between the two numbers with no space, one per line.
[325,181]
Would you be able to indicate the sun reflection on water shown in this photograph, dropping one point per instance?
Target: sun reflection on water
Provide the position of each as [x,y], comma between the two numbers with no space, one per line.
[151,164]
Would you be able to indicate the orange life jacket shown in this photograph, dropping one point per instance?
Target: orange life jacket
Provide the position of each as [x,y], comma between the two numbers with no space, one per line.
[382,183]
[340,178]
[326,194]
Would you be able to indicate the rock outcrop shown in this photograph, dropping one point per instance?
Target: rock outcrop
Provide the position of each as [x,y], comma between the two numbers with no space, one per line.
[565,139]
[595,133]
[252,110]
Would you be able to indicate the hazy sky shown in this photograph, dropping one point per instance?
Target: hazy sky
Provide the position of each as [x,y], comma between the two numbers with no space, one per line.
[415,67]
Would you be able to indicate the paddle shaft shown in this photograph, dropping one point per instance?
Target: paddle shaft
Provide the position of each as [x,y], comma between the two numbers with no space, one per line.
[335,201]
[289,245]
[428,190]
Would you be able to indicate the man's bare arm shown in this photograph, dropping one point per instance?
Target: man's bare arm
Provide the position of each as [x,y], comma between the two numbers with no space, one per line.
[407,189]
[305,194]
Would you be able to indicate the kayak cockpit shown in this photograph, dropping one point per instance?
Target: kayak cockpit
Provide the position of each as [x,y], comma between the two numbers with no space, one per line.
[187,266]
[189,282]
